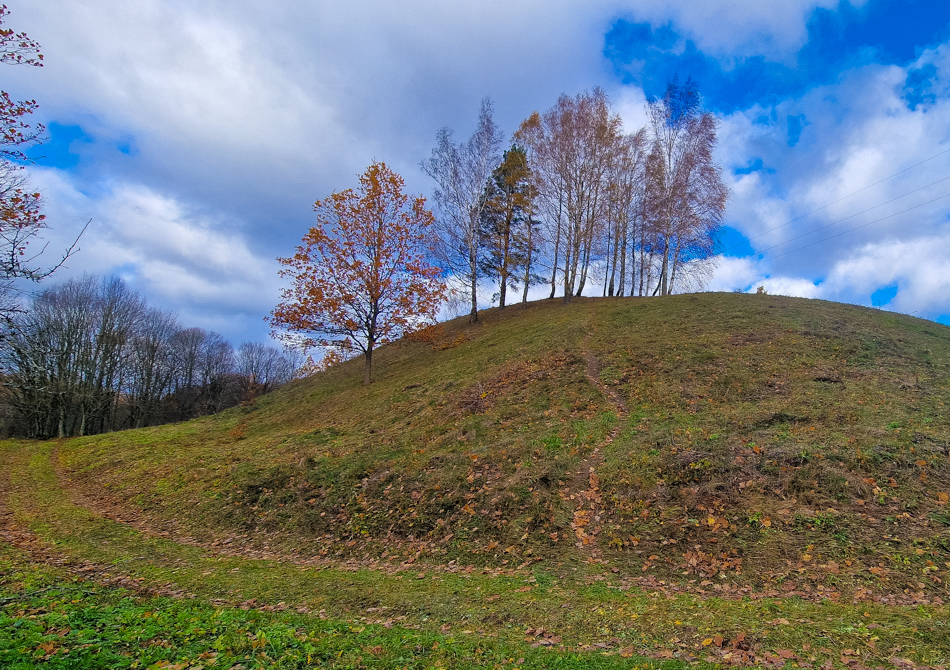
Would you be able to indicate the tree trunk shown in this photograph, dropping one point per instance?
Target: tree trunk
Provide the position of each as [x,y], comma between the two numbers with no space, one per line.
[622,272]
[505,258]
[557,248]
[585,266]
[620,248]
[664,268]
[568,280]
[502,289]
[675,264]
[473,266]
[473,316]
[368,365]
[527,267]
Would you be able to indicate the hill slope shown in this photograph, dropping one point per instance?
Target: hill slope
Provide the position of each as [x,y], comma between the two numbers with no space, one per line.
[758,441]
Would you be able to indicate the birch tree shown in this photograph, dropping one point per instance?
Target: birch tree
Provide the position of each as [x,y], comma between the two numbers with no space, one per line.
[625,193]
[549,189]
[572,147]
[687,198]
[461,173]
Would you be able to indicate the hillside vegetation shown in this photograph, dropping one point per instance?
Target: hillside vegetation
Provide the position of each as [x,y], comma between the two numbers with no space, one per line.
[715,441]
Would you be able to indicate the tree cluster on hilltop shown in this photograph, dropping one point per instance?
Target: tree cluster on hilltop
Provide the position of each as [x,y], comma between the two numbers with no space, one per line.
[575,195]
[572,196]
[90,356]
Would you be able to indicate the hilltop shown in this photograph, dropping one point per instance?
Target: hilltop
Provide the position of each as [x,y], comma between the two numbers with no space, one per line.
[713,441]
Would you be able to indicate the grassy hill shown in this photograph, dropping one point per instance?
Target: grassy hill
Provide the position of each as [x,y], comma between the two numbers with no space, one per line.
[714,446]
[749,436]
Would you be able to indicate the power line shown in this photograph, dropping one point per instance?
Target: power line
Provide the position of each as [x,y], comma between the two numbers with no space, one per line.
[863,225]
[834,223]
[845,197]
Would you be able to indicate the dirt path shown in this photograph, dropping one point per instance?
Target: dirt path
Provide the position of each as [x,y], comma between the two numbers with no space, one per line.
[41,552]
[585,484]
[587,501]
[593,374]
[231,546]
[98,503]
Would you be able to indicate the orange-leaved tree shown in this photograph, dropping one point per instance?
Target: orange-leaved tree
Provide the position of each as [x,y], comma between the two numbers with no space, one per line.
[361,278]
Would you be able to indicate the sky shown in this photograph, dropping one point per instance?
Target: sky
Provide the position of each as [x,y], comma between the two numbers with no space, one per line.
[195,136]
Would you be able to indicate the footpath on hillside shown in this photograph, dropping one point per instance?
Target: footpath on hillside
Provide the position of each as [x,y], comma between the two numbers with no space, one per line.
[584,489]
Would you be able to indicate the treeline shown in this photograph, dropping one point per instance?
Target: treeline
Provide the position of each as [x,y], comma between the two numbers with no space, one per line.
[576,200]
[90,356]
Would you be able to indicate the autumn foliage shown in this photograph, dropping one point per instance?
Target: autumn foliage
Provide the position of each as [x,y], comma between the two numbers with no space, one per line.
[20,218]
[17,49]
[360,278]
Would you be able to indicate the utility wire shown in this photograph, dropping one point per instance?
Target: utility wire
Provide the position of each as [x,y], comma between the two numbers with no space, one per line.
[845,197]
[834,223]
[863,225]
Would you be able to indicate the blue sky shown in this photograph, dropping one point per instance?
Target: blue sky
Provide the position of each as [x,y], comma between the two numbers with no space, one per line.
[198,149]
[891,32]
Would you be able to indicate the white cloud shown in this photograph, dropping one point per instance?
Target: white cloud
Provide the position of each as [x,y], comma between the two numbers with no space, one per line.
[732,273]
[916,266]
[630,104]
[324,88]
[825,215]
[860,132]
[736,29]
[748,274]
[242,114]
[178,258]
[266,97]
[793,286]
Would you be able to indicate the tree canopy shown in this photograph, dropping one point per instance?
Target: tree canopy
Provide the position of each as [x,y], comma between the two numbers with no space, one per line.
[461,172]
[361,276]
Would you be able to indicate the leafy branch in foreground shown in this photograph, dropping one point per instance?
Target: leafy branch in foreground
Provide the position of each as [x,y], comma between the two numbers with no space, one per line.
[20,218]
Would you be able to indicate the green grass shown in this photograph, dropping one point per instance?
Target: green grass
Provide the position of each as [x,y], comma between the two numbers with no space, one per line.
[771,446]
[813,405]
[52,620]
[477,616]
